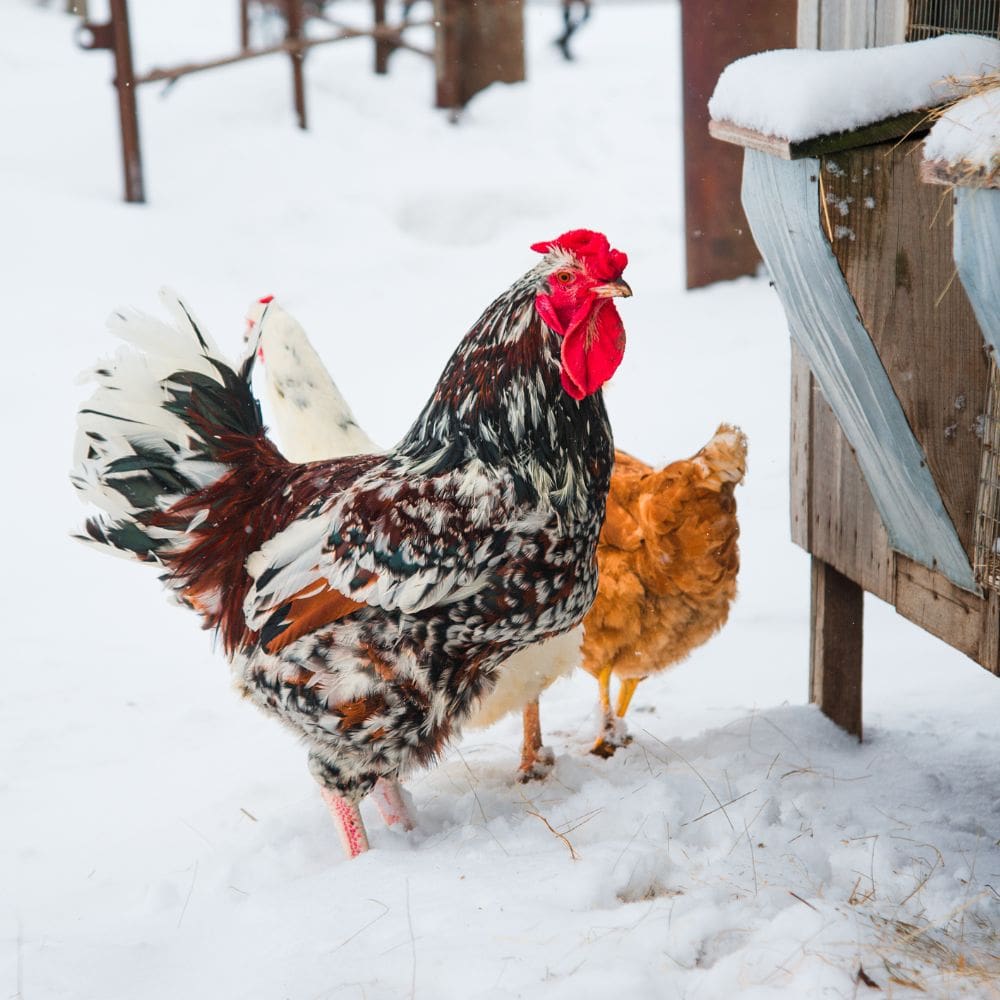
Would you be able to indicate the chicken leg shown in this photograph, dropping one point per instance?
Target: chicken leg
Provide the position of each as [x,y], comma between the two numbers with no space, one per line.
[350,825]
[613,733]
[536,760]
[625,691]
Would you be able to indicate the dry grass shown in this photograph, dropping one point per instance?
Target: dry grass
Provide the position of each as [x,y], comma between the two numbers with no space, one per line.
[937,960]
[964,172]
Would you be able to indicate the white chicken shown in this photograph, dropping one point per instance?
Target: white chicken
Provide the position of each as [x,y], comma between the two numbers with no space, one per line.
[314,422]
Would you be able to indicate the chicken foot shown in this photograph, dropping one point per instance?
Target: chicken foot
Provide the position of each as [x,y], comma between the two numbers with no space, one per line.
[392,802]
[614,733]
[536,759]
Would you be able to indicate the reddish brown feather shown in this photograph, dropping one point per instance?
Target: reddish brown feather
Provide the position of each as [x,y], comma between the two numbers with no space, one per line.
[308,613]
[260,496]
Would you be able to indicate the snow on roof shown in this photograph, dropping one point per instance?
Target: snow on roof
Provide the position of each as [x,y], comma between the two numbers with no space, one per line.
[968,133]
[798,94]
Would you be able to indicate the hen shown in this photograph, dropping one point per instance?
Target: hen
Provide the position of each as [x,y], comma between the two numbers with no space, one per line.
[314,422]
[668,560]
[368,601]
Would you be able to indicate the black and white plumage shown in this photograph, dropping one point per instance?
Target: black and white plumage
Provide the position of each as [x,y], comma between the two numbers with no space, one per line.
[368,601]
[314,422]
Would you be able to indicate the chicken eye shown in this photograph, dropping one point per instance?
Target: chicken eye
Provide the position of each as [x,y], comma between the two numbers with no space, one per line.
[565,277]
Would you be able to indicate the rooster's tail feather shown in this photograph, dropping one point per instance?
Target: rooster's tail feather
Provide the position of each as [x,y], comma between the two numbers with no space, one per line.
[165,409]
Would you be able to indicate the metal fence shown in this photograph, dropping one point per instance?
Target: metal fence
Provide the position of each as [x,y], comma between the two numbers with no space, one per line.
[929,18]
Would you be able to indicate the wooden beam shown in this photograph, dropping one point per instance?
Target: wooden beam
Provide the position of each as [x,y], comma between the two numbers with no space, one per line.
[835,641]
[911,126]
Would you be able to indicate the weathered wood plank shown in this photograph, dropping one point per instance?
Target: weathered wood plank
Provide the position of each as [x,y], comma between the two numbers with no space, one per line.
[939,607]
[911,125]
[835,660]
[988,654]
[782,204]
[801,449]
[750,138]
[834,24]
[892,239]
[845,529]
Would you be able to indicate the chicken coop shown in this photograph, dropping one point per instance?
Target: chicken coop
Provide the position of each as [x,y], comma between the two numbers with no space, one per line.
[889,285]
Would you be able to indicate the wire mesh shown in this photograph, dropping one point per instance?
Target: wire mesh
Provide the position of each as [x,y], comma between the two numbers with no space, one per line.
[986,540]
[929,18]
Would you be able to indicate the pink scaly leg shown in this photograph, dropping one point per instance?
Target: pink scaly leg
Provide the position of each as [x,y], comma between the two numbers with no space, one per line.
[350,826]
[390,798]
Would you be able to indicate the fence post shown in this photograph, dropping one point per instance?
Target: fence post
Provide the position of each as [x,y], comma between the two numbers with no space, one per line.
[293,20]
[127,110]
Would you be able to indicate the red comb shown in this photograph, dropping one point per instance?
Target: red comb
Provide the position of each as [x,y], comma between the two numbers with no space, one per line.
[267,298]
[593,248]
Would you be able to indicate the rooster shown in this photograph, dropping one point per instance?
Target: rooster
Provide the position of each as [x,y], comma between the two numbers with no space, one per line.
[369,601]
[668,560]
[314,422]
[667,555]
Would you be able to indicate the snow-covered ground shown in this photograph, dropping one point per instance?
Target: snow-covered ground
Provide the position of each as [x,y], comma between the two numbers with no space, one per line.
[160,839]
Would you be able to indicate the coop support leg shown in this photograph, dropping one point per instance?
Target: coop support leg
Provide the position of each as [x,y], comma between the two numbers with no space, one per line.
[127,111]
[837,627]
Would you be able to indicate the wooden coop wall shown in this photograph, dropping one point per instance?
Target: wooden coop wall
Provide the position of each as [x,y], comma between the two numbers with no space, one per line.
[892,238]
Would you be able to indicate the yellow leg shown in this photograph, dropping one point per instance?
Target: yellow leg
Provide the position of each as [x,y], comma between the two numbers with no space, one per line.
[605,746]
[625,691]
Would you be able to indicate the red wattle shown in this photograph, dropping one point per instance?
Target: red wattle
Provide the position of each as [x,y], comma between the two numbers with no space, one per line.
[592,350]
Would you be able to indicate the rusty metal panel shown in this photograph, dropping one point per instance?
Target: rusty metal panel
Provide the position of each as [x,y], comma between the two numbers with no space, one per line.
[714,33]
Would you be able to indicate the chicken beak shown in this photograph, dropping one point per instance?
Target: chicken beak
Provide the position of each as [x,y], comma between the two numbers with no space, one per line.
[613,289]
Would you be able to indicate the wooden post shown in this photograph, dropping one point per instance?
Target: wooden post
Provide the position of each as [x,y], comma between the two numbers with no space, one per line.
[836,631]
[383,49]
[244,25]
[714,33]
[293,21]
[477,42]
[127,112]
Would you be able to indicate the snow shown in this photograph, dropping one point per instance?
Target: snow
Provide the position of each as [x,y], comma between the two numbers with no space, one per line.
[968,132]
[161,839]
[798,94]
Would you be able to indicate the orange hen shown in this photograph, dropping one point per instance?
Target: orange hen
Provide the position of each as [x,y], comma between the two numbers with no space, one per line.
[668,560]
